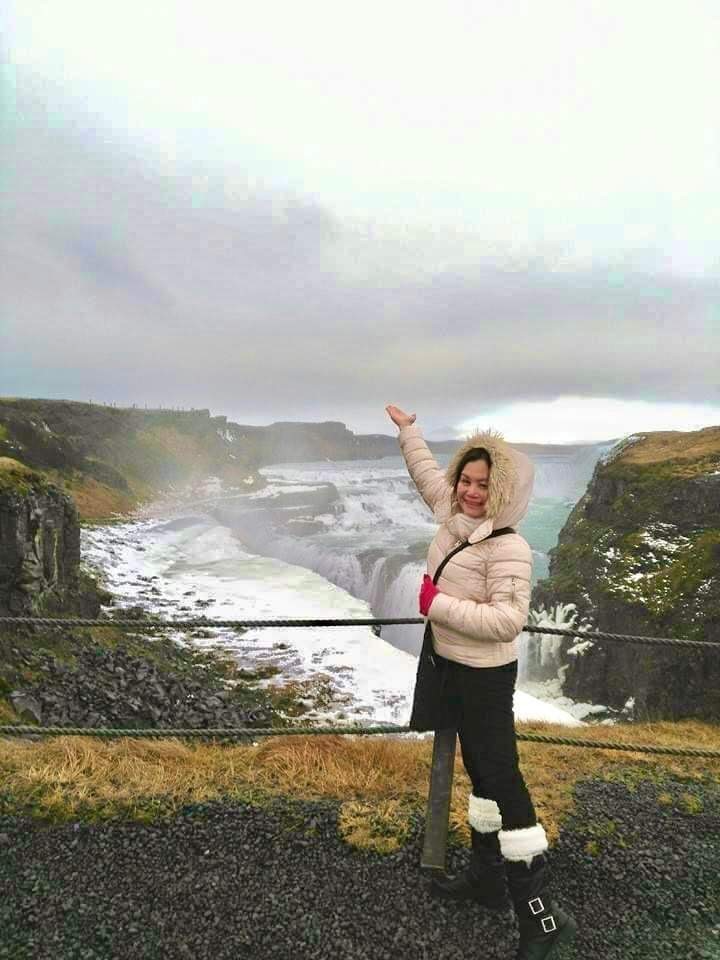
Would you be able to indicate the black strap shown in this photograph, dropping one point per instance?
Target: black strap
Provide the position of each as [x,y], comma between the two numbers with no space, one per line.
[449,556]
[499,533]
[466,543]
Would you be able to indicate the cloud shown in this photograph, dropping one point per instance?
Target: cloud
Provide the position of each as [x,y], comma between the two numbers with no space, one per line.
[121,283]
[575,419]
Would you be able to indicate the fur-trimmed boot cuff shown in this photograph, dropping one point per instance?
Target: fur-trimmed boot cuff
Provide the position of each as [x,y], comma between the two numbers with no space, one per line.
[523,844]
[484,815]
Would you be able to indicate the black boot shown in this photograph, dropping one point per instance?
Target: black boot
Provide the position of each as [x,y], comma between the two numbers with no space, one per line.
[544,927]
[482,881]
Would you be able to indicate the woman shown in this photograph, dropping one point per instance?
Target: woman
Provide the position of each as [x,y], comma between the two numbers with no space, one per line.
[477,610]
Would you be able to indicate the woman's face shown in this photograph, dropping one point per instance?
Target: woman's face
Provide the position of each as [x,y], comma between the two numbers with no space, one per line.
[472,488]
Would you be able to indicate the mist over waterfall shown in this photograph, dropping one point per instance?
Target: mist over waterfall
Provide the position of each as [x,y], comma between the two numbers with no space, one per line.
[565,475]
[362,525]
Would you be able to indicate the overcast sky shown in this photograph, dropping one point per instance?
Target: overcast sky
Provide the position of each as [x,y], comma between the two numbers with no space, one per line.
[494,214]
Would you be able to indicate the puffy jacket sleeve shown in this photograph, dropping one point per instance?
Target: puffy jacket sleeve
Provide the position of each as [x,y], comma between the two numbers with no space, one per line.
[424,471]
[502,618]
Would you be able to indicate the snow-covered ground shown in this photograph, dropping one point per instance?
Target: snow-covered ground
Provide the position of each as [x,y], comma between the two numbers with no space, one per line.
[190,566]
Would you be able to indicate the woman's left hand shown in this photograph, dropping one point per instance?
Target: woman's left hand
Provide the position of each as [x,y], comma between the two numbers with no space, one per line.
[428,592]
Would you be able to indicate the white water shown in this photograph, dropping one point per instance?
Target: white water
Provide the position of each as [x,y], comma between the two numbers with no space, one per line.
[323,540]
[362,525]
[191,566]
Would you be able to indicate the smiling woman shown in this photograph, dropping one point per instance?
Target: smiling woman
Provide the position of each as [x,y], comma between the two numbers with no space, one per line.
[477,603]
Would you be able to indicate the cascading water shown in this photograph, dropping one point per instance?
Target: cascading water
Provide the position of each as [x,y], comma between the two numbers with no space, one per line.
[363,526]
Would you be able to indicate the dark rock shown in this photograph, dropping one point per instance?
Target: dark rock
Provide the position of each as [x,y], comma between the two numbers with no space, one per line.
[26,706]
[94,692]
[638,555]
[39,547]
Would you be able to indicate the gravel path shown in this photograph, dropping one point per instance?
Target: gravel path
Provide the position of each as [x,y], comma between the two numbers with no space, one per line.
[224,880]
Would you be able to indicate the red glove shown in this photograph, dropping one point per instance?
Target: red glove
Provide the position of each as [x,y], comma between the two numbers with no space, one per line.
[428,592]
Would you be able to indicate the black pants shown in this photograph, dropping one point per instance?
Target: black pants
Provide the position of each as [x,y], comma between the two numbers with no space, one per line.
[481,699]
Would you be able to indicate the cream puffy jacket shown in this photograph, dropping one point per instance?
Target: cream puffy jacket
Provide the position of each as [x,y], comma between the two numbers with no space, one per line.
[485,589]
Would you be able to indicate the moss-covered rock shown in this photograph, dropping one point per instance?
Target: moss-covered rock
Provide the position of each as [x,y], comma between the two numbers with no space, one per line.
[640,554]
[18,479]
[39,544]
[40,547]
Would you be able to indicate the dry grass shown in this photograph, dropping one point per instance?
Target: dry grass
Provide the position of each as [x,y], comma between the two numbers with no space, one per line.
[98,501]
[553,771]
[13,466]
[673,445]
[378,781]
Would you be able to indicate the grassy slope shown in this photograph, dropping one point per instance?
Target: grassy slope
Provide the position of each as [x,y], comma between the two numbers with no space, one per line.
[16,478]
[680,449]
[110,459]
[379,781]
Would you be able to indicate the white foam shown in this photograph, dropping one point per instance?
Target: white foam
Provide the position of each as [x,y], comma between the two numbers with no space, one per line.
[199,569]
[191,567]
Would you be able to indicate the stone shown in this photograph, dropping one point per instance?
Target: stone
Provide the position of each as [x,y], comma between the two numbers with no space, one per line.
[26,706]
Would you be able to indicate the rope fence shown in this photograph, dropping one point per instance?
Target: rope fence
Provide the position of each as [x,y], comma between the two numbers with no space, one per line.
[259,733]
[250,733]
[202,623]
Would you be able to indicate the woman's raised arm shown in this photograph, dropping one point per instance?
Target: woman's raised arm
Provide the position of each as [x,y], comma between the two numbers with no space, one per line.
[424,471]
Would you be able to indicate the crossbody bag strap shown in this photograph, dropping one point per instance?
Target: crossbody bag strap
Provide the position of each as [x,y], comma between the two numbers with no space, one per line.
[449,556]
[466,543]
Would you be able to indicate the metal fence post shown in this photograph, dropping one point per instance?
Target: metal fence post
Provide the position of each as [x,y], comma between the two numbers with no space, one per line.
[437,815]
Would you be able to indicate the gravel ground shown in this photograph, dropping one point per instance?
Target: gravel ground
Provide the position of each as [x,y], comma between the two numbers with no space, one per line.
[221,880]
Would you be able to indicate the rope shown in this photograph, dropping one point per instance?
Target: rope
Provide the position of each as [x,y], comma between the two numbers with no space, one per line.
[228,733]
[628,637]
[201,623]
[248,733]
[618,745]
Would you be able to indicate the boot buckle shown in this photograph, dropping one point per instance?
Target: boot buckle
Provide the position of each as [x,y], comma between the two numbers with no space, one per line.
[551,925]
[536,906]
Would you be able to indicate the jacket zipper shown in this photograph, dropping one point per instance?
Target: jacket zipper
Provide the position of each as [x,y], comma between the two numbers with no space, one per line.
[455,546]
[512,592]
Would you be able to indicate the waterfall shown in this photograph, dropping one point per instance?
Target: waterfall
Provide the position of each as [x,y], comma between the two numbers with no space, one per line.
[362,526]
[561,475]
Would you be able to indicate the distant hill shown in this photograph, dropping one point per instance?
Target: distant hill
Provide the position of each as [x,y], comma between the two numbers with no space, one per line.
[109,458]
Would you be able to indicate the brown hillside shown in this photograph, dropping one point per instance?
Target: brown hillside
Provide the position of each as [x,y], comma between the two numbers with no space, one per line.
[673,445]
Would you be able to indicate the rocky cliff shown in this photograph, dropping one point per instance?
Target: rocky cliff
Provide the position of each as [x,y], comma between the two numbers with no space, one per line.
[640,554]
[295,441]
[91,678]
[108,458]
[39,544]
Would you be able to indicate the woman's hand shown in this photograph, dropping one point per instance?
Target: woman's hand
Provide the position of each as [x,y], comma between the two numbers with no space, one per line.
[399,417]
[428,592]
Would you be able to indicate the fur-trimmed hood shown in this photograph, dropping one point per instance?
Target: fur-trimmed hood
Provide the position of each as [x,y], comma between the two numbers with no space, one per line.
[510,488]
